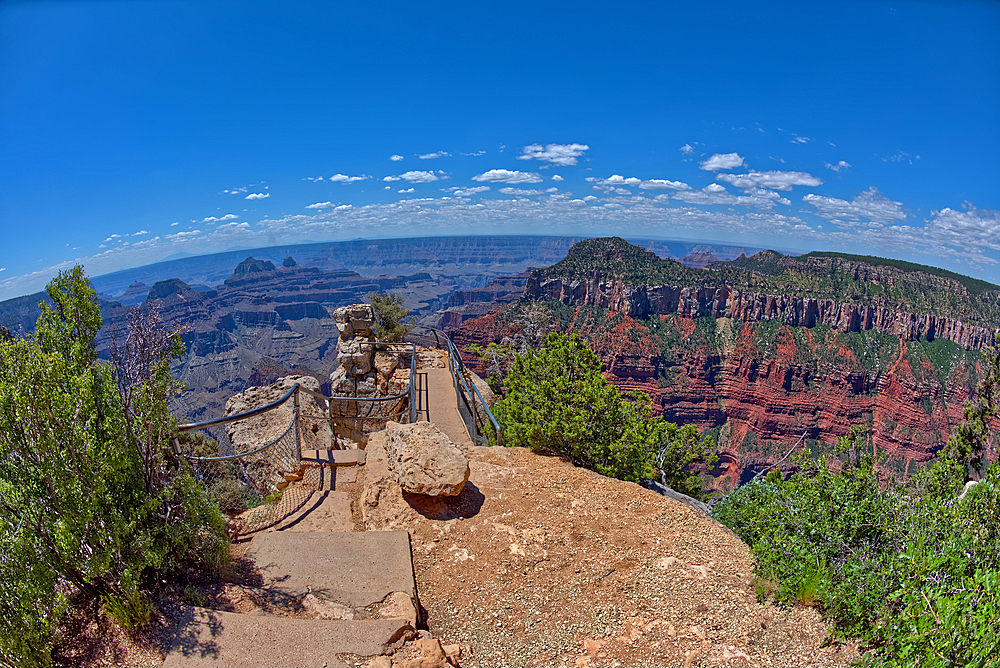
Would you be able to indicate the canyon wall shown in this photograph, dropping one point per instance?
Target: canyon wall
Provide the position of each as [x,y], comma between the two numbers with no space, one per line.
[759,386]
[641,301]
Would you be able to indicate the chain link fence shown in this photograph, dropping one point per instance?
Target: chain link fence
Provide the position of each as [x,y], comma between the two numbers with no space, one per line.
[253,487]
[259,486]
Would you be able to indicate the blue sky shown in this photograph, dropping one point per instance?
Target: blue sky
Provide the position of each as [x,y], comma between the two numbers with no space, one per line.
[132,130]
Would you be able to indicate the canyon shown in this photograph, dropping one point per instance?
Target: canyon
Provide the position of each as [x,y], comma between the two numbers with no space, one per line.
[759,370]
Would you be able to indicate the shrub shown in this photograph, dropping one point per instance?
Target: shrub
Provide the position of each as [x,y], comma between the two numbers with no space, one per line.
[88,500]
[391,323]
[910,569]
[557,401]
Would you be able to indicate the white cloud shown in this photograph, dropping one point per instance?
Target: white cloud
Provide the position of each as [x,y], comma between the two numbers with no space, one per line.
[686,149]
[437,154]
[235,191]
[556,177]
[901,156]
[616,182]
[474,154]
[322,205]
[663,184]
[843,164]
[173,224]
[391,178]
[774,180]
[521,192]
[387,188]
[716,195]
[971,230]
[800,140]
[313,178]
[257,196]
[213,219]
[235,226]
[870,204]
[407,190]
[619,180]
[395,158]
[507,176]
[344,207]
[418,177]
[140,233]
[557,154]
[113,236]
[344,178]
[459,191]
[722,161]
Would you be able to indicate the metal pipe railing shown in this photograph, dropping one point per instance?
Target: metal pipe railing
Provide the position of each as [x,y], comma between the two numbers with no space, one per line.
[464,395]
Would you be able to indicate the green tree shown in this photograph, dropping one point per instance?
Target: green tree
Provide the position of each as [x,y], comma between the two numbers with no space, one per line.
[391,317]
[971,440]
[69,325]
[77,510]
[557,401]
[683,457]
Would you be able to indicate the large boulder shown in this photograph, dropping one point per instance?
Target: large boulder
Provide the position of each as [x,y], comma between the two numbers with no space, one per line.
[423,460]
[250,434]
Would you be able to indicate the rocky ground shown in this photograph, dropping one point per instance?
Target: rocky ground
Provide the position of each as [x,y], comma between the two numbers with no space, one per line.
[540,563]
[536,563]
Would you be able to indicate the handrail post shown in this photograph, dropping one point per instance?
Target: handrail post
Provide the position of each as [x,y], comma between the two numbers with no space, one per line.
[413,372]
[295,418]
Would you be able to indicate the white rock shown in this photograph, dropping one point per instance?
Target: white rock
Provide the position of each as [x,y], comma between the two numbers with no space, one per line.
[423,460]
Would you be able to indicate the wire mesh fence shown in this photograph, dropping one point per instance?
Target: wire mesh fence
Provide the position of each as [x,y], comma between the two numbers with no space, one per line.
[253,487]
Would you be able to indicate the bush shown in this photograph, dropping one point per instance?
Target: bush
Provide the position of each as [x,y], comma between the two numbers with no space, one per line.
[910,569]
[557,401]
[87,498]
[391,323]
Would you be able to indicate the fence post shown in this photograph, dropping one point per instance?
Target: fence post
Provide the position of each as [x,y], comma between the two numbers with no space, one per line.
[413,381]
[295,417]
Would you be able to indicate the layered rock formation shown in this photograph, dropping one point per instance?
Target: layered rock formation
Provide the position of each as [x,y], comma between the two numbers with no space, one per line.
[262,322]
[641,301]
[366,373]
[762,369]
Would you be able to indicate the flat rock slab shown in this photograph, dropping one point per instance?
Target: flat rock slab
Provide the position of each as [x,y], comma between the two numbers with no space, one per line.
[212,639]
[329,477]
[324,511]
[356,569]
[351,457]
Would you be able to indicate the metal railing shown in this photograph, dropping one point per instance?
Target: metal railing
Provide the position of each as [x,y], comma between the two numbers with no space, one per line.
[256,485]
[479,421]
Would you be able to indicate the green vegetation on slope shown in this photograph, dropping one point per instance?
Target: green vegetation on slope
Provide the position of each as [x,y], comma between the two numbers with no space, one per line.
[91,498]
[913,570]
[974,285]
[557,401]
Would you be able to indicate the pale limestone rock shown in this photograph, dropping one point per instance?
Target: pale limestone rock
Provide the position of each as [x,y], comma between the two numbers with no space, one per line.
[249,434]
[398,605]
[429,654]
[326,609]
[423,460]
[354,320]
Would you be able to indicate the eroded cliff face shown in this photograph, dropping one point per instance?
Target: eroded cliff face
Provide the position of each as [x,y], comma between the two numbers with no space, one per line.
[641,301]
[758,386]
